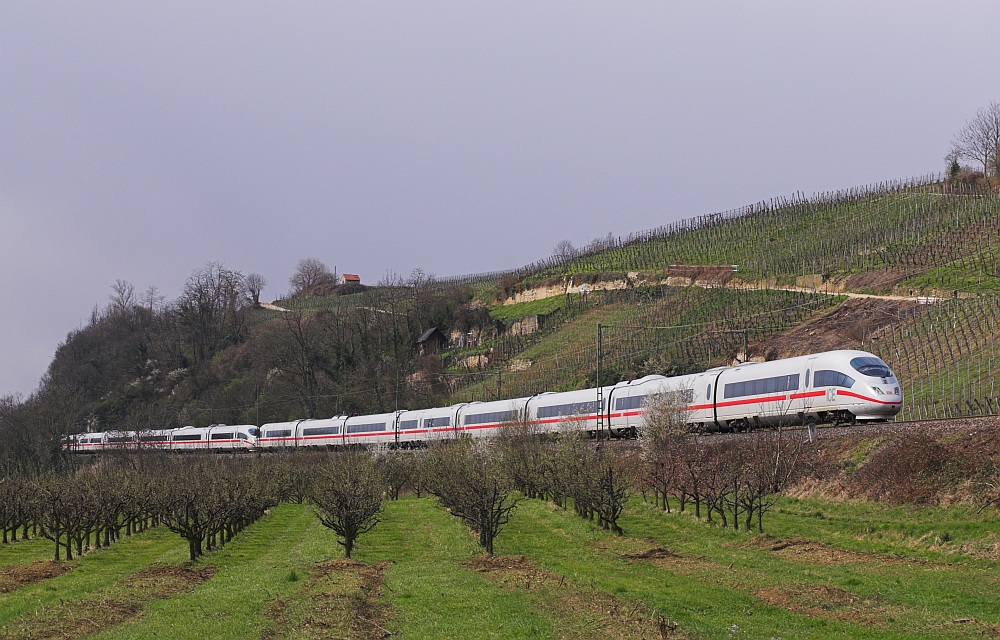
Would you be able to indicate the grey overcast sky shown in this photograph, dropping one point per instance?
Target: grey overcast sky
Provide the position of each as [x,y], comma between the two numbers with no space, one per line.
[141,140]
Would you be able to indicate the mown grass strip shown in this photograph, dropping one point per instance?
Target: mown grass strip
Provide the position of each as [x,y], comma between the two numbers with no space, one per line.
[26,551]
[251,570]
[432,594]
[860,592]
[339,599]
[702,594]
[95,576]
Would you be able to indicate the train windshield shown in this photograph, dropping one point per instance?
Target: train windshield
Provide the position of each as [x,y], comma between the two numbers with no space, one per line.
[254,432]
[871,366]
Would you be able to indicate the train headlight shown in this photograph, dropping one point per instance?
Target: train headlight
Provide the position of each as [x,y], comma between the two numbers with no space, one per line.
[897,391]
[878,390]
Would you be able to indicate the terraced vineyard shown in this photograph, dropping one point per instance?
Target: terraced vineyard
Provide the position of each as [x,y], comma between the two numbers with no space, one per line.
[916,233]
[946,354]
[695,328]
[913,239]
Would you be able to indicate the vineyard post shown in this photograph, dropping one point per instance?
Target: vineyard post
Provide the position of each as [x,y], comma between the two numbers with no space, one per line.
[600,411]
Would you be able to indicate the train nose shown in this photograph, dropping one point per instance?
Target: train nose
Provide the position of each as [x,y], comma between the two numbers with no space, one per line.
[888,396]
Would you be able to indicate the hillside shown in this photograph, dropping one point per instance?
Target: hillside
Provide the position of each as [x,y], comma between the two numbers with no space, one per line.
[762,282]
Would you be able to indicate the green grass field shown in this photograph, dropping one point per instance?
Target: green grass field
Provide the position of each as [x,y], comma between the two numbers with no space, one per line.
[824,569]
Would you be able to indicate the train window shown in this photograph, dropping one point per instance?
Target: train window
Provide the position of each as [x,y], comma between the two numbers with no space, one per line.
[807,379]
[320,431]
[776,384]
[366,428]
[572,409]
[708,394]
[632,402]
[870,366]
[278,433]
[223,436]
[430,423]
[187,437]
[827,378]
[407,424]
[493,416]
[242,436]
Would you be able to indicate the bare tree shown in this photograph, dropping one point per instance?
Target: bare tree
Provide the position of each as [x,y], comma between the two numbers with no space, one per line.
[208,501]
[979,139]
[597,479]
[614,478]
[523,449]
[564,251]
[14,506]
[187,503]
[152,299]
[211,309]
[310,273]
[253,285]
[466,478]
[771,461]
[298,353]
[122,296]
[397,468]
[664,435]
[348,492]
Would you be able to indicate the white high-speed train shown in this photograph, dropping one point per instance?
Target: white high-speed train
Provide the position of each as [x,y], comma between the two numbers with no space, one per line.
[835,387]
[218,437]
[832,387]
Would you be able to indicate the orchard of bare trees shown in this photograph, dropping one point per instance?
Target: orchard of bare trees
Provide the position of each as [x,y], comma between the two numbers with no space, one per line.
[734,482]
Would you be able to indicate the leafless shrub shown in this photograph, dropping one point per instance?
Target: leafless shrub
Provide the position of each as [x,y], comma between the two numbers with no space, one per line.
[467,479]
[598,480]
[398,469]
[987,484]
[310,274]
[771,461]
[663,435]
[524,451]
[208,501]
[347,492]
[906,470]
[736,481]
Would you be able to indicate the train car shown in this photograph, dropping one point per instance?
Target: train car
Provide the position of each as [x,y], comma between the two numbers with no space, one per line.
[317,432]
[84,442]
[153,439]
[189,439]
[484,419]
[279,435]
[833,387]
[628,402]
[119,440]
[222,437]
[553,411]
[374,430]
[415,428]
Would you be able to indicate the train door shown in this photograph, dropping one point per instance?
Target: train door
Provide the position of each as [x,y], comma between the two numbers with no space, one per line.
[808,396]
